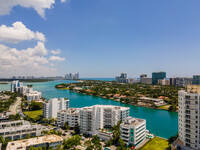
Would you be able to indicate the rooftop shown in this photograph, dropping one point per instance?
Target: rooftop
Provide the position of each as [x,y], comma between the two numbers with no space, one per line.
[22,144]
[193,89]
[71,111]
[132,121]
[21,127]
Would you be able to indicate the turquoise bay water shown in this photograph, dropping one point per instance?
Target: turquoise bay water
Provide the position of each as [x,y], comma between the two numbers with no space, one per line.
[159,122]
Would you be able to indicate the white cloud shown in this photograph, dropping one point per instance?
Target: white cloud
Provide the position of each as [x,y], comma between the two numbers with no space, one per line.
[39,5]
[30,61]
[56,58]
[62,1]
[55,52]
[18,32]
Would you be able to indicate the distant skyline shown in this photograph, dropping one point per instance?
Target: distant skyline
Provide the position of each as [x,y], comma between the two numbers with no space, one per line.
[99,39]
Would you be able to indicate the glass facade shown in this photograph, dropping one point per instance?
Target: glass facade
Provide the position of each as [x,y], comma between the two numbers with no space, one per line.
[196,80]
[156,76]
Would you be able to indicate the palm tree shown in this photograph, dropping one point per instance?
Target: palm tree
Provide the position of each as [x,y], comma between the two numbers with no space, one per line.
[28,136]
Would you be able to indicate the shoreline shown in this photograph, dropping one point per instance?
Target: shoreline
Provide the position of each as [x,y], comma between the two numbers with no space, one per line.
[113,99]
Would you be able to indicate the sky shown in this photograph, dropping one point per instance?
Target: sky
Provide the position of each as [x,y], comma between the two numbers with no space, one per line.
[99,38]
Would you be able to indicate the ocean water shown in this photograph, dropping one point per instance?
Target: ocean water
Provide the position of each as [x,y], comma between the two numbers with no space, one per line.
[160,122]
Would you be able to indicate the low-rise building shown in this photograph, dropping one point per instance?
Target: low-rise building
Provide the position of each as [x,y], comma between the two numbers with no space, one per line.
[133,131]
[14,123]
[49,141]
[157,101]
[15,130]
[164,81]
[71,116]
[104,134]
[133,80]
[53,106]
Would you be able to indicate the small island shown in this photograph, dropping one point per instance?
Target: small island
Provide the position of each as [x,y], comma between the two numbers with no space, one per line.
[62,86]
[3,82]
[151,96]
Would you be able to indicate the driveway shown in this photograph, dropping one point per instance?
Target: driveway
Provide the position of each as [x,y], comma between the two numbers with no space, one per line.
[16,107]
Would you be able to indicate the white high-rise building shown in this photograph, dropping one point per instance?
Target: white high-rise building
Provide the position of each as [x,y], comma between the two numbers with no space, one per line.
[53,106]
[188,112]
[98,117]
[133,131]
[31,95]
[16,86]
[71,116]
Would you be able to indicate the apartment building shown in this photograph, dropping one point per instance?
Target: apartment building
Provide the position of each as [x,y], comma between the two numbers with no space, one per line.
[15,130]
[181,81]
[30,93]
[16,86]
[164,81]
[53,106]
[133,131]
[98,117]
[122,78]
[188,112]
[146,80]
[49,141]
[71,116]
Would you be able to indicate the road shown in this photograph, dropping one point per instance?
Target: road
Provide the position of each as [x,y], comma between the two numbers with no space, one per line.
[16,107]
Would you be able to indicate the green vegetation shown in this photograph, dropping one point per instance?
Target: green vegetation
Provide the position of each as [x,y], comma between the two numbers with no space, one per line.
[116,140]
[3,83]
[59,133]
[62,86]
[172,139]
[35,106]
[33,115]
[5,104]
[15,117]
[156,144]
[165,107]
[127,93]
[72,142]
[4,142]
[93,144]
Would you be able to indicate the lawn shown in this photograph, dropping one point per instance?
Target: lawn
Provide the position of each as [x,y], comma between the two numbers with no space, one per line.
[33,114]
[156,144]
[165,107]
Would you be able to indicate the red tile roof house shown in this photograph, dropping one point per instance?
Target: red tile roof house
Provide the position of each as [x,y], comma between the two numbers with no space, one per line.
[116,95]
[109,95]
[123,96]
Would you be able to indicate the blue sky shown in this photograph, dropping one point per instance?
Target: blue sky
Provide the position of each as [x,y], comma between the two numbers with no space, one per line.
[106,37]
